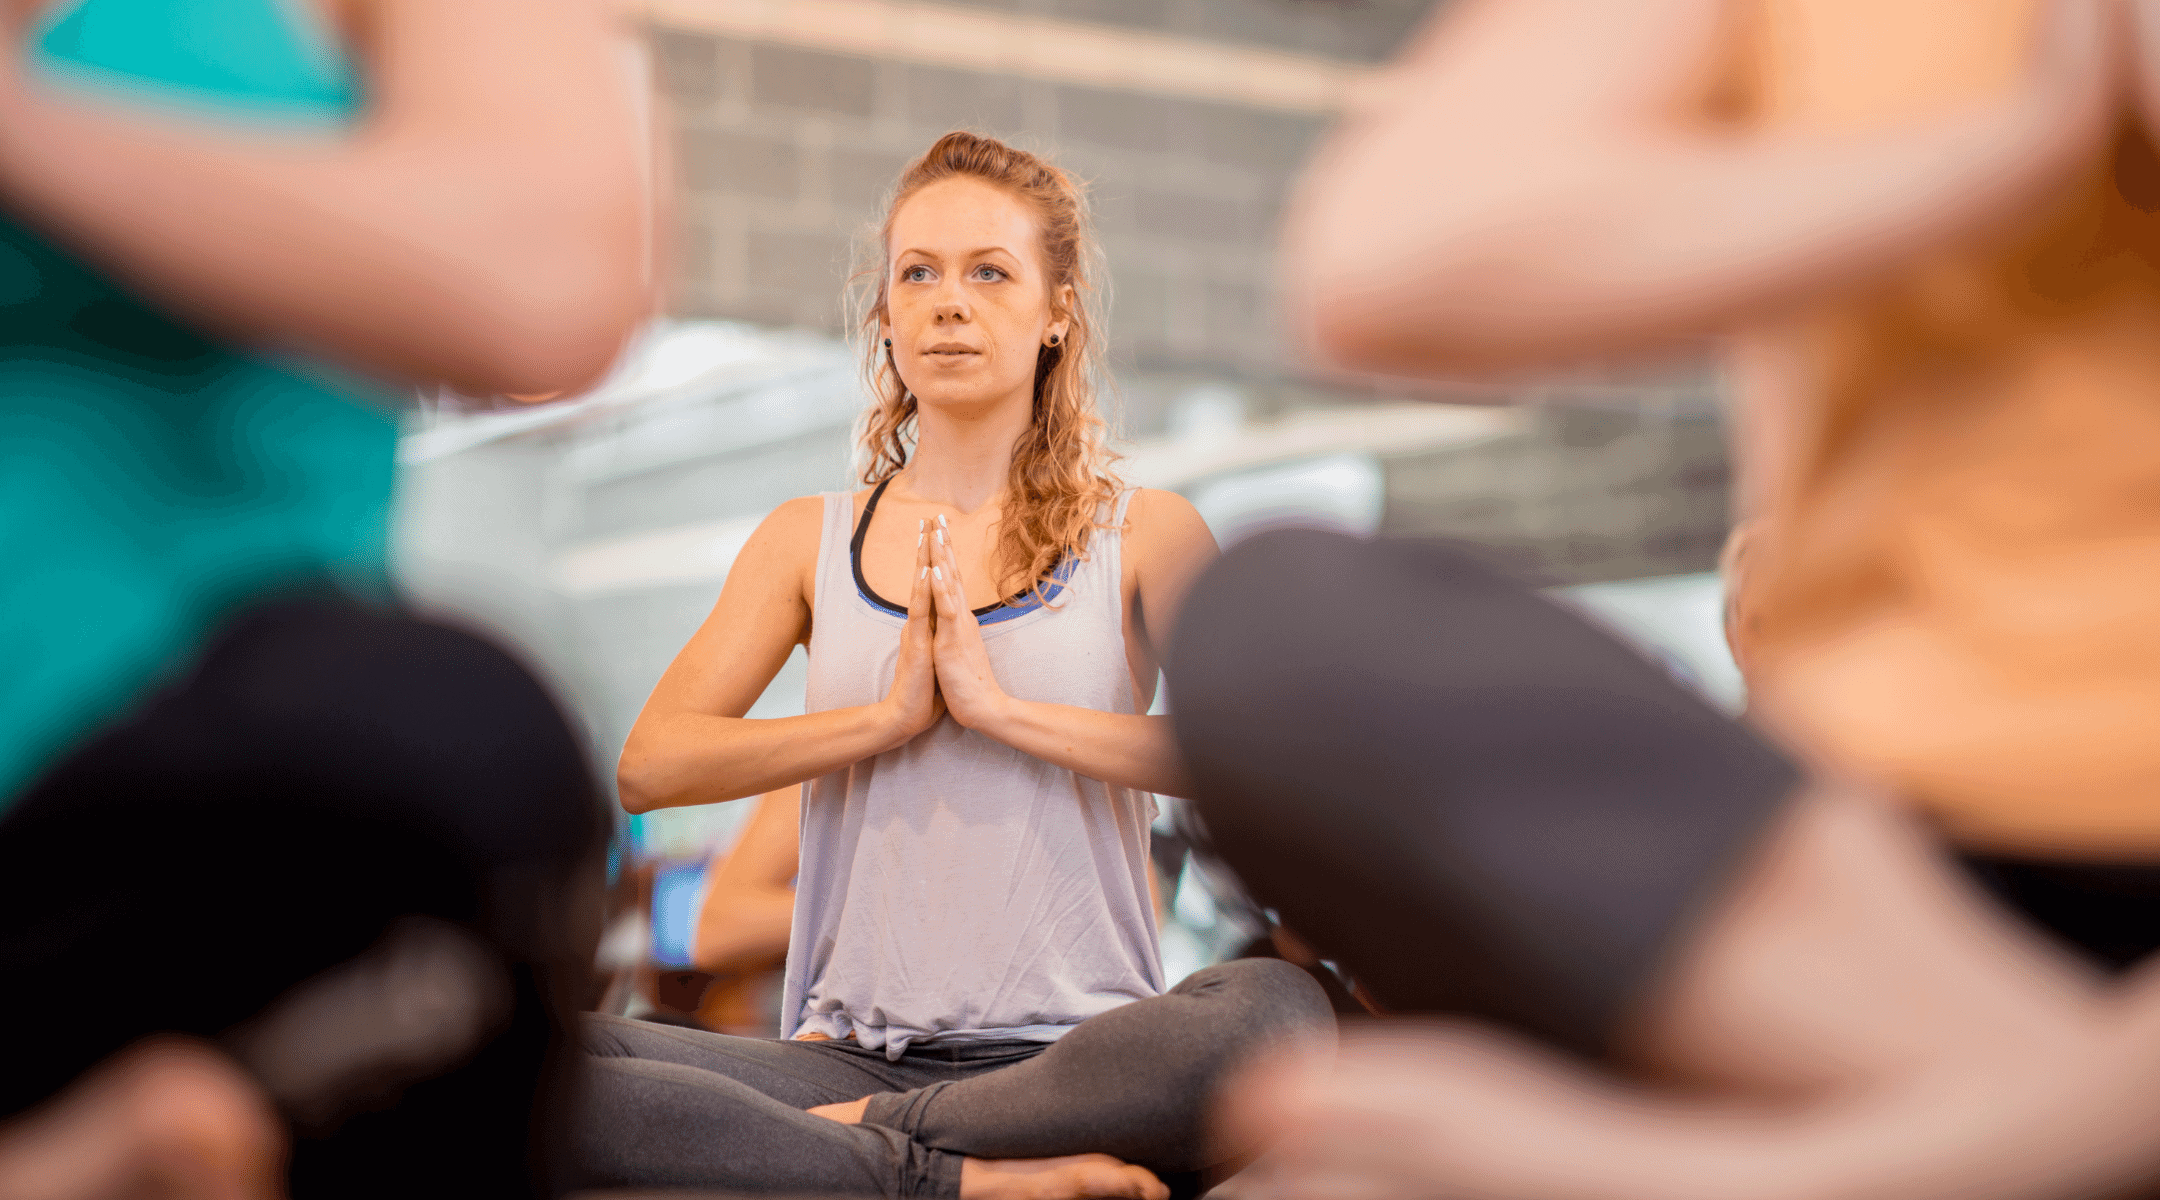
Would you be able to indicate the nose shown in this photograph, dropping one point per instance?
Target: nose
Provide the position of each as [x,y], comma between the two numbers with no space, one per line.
[949,312]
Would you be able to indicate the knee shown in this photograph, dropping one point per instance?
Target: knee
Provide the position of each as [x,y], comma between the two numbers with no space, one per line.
[414,723]
[602,1035]
[1275,590]
[1264,999]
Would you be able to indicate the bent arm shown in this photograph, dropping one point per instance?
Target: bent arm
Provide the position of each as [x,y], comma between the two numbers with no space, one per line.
[691,743]
[487,225]
[1533,185]
[1166,546]
[1136,752]
[750,901]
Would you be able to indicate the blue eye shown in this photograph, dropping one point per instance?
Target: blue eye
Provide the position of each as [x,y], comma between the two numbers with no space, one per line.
[988,272]
[915,274]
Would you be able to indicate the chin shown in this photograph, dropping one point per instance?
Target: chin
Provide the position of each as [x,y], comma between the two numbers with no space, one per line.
[957,394]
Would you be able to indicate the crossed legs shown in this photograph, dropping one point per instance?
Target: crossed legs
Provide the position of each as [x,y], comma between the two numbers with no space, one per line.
[672,1107]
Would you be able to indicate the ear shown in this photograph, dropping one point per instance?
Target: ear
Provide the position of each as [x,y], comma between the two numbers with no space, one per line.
[1061,308]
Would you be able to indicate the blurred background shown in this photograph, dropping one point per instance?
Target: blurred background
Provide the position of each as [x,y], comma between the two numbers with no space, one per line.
[596,533]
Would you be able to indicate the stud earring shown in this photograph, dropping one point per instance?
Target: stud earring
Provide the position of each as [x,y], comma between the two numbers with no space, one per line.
[888,343]
[1054,340]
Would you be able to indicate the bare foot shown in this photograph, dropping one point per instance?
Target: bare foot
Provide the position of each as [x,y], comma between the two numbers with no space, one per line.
[1073,1177]
[848,1113]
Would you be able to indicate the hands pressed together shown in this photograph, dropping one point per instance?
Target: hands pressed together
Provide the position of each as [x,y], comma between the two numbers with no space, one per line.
[943,666]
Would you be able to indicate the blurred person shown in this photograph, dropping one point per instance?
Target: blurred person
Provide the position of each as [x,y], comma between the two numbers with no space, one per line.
[1931,227]
[974,1003]
[336,858]
[1739,610]
[750,894]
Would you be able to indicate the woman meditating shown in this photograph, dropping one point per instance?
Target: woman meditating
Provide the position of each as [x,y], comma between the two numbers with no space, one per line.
[974,1003]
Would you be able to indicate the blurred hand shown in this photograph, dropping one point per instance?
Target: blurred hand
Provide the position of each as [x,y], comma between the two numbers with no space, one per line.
[914,700]
[963,664]
[1415,1109]
[166,1119]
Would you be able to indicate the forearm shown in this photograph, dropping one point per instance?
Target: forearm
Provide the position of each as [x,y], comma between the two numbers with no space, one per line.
[1129,751]
[484,226]
[741,926]
[686,758]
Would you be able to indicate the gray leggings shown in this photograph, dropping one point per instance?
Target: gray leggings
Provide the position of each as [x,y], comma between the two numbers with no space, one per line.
[672,1107]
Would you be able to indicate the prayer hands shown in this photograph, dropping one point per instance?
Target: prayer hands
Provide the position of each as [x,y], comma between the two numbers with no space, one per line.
[914,700]
[964,676]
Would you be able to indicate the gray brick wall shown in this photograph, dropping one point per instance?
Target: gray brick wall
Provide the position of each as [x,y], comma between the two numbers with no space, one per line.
[785,154]
[1356,29]
[1583,496]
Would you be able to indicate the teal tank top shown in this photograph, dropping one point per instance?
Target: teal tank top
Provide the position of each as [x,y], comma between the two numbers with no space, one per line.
[153,481]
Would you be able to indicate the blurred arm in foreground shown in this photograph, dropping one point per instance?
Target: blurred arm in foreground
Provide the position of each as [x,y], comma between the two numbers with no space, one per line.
[482,219]
[1550,178]
[482,225]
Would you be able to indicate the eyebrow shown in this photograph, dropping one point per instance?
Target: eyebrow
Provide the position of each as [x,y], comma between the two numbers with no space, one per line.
[976,253]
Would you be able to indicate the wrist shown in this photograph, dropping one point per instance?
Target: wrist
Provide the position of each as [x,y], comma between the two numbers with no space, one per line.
[990,715]
[888,726]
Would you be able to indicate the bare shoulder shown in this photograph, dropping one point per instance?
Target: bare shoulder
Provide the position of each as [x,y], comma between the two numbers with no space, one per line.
[785,543]
[1159,522]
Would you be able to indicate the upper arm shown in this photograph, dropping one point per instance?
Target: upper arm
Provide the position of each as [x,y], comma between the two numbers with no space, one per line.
[762,613]
[1167,546]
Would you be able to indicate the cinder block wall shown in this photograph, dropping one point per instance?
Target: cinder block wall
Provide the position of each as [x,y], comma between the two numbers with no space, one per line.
[784,154]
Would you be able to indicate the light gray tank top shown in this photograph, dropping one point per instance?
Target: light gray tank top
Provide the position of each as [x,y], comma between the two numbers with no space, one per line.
[956,888]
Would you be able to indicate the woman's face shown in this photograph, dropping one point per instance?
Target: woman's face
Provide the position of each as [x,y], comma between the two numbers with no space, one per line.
[968,305]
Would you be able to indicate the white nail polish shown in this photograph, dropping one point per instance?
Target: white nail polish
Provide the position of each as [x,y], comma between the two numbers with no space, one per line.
[925,574]
[941,520]
[937,574]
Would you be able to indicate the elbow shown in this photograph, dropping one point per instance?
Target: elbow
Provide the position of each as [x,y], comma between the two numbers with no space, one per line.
[552,339]
[1355,326]
[562,296]
[1373,293]
[634,783]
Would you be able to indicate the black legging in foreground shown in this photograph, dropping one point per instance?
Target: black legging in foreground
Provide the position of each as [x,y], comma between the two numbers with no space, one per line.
[1471,798]
[325,776]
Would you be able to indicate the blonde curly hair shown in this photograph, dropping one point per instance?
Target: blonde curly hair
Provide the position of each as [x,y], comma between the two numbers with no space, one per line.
[1061,474]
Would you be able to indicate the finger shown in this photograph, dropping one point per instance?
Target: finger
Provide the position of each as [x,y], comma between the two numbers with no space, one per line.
[947,565]
[922,605]
[945,572]
[940,586]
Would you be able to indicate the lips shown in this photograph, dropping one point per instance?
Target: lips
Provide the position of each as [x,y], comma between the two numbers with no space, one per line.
[950,349]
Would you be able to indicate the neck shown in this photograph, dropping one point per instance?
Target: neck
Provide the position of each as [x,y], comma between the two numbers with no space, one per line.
[963,458]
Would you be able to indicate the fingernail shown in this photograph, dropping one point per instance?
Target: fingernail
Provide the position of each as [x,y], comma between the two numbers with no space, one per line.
[937,574]
[925,574]
[941,537]
[941,520]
